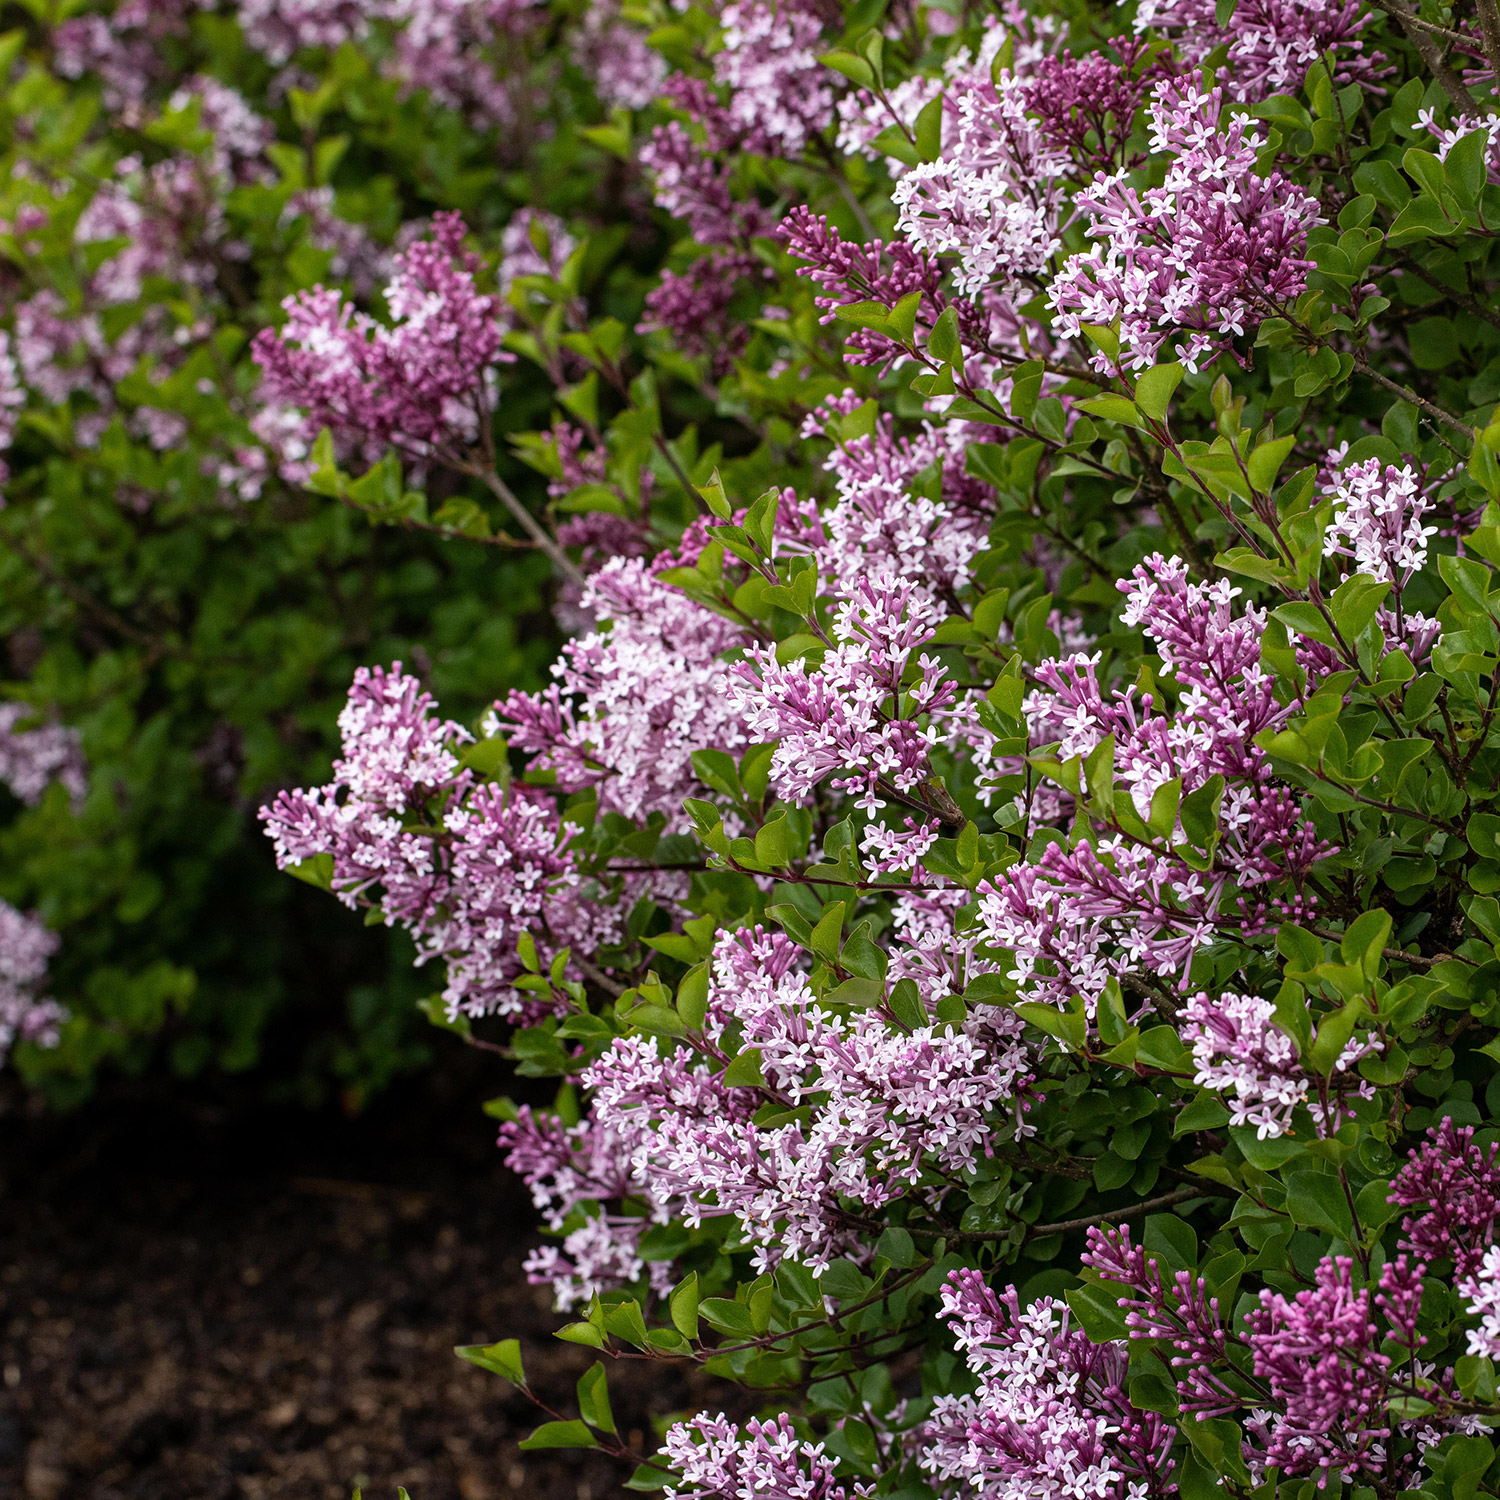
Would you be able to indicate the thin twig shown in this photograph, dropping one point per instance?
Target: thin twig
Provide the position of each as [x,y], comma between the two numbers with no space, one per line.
[529,523]
[1437,62]
[1116,1216]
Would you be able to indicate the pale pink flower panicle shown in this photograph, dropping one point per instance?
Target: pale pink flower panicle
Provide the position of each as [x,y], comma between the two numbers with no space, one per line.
[420,384]
[1206,256]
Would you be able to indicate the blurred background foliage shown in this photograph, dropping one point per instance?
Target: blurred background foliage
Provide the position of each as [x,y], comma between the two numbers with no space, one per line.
[195,620]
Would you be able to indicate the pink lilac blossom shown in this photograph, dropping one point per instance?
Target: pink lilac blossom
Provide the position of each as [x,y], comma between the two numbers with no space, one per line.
[1182,1314]
[169,215]
[240,135]
[601,1255]
[32,759]
[576,1172]
[872,271]
[769,63]
[1208,254]
[694,307]
[466,867]
[930,946]
[1271,43]
[689,184]
[1377,521]
[1051,1419]
[278,28]
[444,48]
[888,1107]
[25,947]
[419,385]
[766,1460]
[877,524]
[124,49]
[1103,908]
[1087,105]
[634,698]
[162,429]
[627,73]
[1319,1353]
[992,199]
[1458,1183]
[852,714]
[1481,1292]
[1237,1046]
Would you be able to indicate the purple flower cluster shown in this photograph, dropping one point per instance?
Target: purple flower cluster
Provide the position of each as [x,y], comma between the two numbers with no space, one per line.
[1458,1182]
[32,758]
[1212,251]
[1312,1372]
[635,697]
[852,715]
[1237,1046]
[1270,43]
[893,1111]
[992,200]
[779,93]
[466,866]
[1107,907]
[1377,521]
[418,385]
[719,1461]
[1051,1417]
[25,947]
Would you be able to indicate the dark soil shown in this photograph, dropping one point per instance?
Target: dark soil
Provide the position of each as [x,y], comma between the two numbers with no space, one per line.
[209,1301]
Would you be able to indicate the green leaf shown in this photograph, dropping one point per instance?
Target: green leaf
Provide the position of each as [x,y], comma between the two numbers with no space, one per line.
[824,940]
[744,1071]
[1355,602]
[1112,408]
[773,844]
[503,1358]
[1164,801]
[1206,1112]
[1469,581]
[559,1435]
[929,134]
[581,1333]
[1154,389]
[905,1003]
[593,1398]
[852,66]
[317,871]
[1098,1312]
[1266,461]
[1199,812]
[692,997]
[684,1306]
[943,343]
[624,1321]
[1316,1200]
[903,319]
[1363,943]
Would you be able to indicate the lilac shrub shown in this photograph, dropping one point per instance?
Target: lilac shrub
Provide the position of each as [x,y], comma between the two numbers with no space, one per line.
[1005,871]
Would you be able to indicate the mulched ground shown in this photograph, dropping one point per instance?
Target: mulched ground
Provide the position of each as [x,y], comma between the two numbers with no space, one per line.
[201,1302]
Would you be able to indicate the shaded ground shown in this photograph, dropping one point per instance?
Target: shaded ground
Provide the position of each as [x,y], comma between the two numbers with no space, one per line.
[209,1303]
